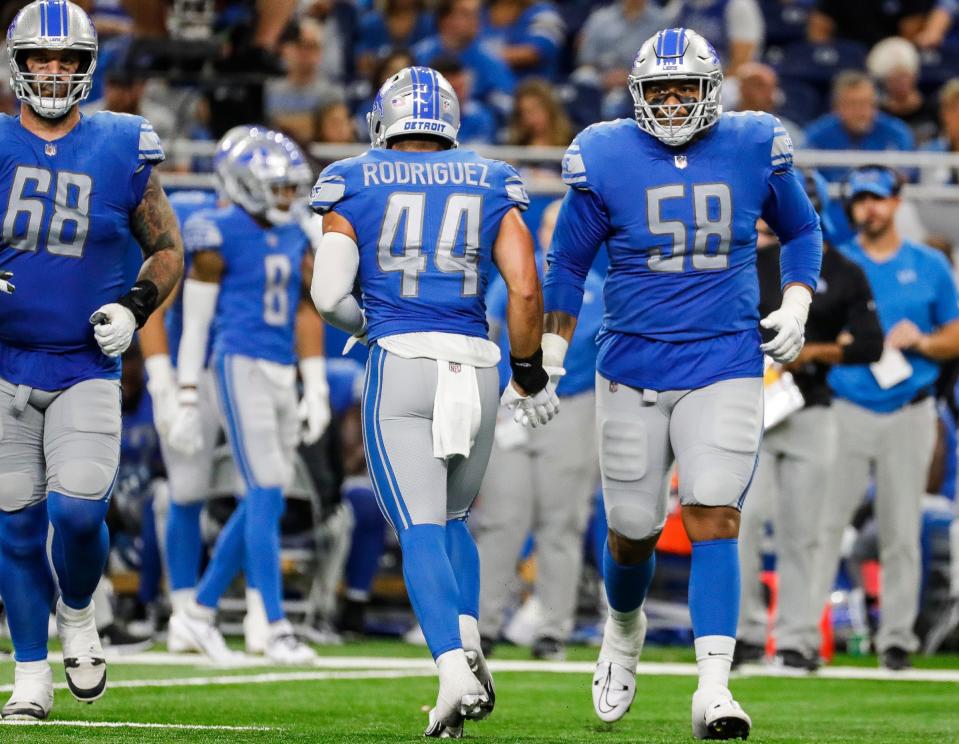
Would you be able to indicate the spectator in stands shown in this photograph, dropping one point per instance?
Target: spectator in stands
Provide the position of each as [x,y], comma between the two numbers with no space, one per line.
[123,93]
[734,27]
[334,125]
[340,22]
[538,118]
[292,100]
[937,25]
[458,24]
[400,25]
[526,34]
[886,412]
[866,21]
[477,120]
[948,140]
[608,42]
[856,122]
[894,64]
[759,91]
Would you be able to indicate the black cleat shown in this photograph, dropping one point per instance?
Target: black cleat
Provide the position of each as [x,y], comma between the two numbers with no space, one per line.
[747,653]
[895,659]
[728,728]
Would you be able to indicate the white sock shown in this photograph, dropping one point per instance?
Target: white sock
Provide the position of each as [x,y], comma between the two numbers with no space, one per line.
[70,616]
[621,638]
[469,632]
[714,657]
[180,599]
[33,668]
[254,604]
[281,627]
[201,612]
[452,665]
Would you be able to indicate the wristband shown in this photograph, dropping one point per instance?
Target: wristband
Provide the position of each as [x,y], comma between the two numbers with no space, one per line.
[529,372]
[141,300]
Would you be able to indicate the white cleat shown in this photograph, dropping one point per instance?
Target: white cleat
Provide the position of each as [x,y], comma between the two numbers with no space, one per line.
[283,647]
[614,681]
[256,628]
[83,659]
[480,670]
[32,698]
[717,716]
[461,697]
[190,632]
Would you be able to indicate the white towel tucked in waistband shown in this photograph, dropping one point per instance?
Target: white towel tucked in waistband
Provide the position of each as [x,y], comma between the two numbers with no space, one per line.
[456,409]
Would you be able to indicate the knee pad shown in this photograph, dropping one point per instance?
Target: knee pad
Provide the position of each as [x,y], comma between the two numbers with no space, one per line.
[16,491]
[717,488]
[86,479]
[634,521]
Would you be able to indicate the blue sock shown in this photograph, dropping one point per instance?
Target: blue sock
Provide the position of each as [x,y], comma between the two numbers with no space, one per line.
[228,557]
[81,544]
[369,540]
[626,586]
[150,571]
[714,588]
[184,545]
[262,537]
[26,583]
[464,558]
[431,586]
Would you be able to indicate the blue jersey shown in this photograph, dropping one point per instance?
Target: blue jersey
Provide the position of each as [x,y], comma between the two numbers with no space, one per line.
[915,284]
[425,224]
[261,283]
[66,238]
[539,26]
[679,224]
[185,204]
[828,133]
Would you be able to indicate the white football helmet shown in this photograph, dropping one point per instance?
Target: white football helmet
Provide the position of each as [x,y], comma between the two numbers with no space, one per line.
[677,54]
[53,25]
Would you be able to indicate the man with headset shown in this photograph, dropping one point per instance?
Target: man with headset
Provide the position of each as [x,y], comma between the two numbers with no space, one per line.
[885,411]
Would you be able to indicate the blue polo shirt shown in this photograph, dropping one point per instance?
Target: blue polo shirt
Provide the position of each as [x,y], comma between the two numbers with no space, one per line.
[828,133]
[915,284]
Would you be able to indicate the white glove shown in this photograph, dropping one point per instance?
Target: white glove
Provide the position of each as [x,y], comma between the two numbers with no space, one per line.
[113,327]
[314,410]
[531,410]
[161,382]
[789,321]
[5,285]
[357,338]
[186,433]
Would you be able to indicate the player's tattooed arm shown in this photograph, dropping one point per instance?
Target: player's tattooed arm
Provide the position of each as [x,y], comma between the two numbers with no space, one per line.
[560,323]
[154,225]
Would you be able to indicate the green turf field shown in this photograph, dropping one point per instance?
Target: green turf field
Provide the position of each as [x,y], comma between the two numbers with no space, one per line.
[376,692]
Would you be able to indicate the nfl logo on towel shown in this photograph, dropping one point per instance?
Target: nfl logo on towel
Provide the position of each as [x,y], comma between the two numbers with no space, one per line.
[455,367]
[680,161]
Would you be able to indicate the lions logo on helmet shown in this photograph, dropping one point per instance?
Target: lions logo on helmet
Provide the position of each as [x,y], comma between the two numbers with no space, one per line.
[51,25]
[672,55]
[415,101]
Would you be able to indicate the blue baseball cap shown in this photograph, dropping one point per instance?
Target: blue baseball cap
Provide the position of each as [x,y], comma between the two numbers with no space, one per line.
[881,182]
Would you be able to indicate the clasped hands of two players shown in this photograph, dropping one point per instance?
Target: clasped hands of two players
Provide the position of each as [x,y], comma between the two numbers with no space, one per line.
[539,408]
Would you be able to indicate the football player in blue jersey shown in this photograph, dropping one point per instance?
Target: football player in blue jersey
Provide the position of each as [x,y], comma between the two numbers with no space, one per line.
[675,195]
[78,193]
[420,223]
[250,268]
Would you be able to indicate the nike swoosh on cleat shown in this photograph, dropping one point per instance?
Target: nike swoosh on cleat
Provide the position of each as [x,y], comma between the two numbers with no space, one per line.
[604,696]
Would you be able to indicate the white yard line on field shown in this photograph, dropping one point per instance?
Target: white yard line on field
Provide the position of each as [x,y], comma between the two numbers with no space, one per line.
[376,666]
[132,724]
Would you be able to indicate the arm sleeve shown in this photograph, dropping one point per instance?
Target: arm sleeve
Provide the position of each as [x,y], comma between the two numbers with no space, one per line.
[334,272]
[791,215]
[581,227]
[861,322]
[947,300]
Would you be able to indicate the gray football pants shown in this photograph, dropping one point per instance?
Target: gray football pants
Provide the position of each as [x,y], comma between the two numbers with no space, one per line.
[544,486]
[65,441]
[898,446]
[795,461]
[712,433]
[411,486]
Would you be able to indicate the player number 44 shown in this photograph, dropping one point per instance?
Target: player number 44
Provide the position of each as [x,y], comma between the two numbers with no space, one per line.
[408,209]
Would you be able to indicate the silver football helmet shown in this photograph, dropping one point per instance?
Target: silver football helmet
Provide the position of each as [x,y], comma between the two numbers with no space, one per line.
[266,173]
[53,25]
[416,100]
[677,54]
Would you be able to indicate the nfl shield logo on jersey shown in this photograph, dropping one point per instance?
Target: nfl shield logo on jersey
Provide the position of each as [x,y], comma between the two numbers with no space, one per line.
[680,161]
[50,149]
